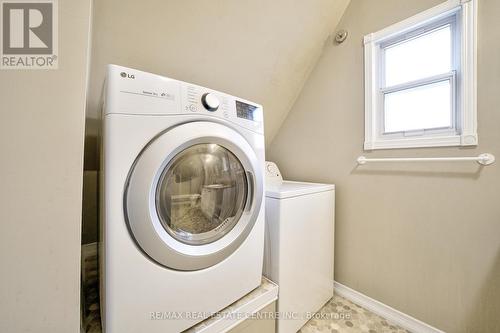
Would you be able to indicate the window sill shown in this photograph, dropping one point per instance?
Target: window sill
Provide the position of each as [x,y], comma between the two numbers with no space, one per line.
[422,142]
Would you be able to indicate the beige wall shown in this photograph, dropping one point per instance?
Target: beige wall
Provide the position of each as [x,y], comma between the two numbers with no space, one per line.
[41,144]
[259,50]
[425,238]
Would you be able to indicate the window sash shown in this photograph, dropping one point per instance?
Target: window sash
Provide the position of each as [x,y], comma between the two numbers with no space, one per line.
[422,30]
[450,76]
[451,20]
[464,14]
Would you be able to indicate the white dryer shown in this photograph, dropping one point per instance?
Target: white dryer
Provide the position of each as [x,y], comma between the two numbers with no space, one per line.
[182,210]
[299,247]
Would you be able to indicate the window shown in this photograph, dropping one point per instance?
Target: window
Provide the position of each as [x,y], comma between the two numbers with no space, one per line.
[420,85]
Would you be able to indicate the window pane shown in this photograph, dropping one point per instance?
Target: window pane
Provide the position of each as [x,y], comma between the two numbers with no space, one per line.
[423,56]
[423,107]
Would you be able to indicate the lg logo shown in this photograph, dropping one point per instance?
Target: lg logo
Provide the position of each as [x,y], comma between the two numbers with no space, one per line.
[29,28]
[128,76]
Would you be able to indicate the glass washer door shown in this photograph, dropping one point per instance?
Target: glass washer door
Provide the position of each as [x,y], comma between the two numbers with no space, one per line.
[202,165]
[201,194]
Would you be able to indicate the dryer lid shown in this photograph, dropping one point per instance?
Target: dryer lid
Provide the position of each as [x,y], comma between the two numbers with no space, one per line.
[289,189]
[277,188]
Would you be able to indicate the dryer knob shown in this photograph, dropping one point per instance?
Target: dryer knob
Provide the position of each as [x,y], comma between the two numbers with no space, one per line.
[210,101]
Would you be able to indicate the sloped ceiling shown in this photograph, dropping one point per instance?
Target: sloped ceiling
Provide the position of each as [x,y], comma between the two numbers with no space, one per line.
[259,50]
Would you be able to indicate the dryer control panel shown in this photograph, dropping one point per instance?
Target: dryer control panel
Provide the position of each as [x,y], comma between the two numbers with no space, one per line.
[135,92]
[273,174]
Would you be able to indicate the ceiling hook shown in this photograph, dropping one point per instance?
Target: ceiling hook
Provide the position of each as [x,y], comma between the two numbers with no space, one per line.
[341,36]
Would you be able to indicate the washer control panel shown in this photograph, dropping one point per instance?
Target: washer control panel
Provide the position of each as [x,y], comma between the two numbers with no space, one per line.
[202,100]
[210,101]
[246,111]
[273,174]
[149,94]
[199,99]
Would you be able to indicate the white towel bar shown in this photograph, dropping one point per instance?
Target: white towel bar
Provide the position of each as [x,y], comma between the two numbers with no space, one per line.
[483,159]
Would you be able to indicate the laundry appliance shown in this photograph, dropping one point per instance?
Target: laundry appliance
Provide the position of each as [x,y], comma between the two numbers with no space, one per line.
[299,246]
[182,209]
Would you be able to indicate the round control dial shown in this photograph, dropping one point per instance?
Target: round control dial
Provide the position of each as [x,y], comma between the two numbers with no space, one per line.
[210,101]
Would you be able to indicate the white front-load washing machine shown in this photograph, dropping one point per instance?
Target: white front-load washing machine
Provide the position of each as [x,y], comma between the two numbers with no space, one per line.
[182,209]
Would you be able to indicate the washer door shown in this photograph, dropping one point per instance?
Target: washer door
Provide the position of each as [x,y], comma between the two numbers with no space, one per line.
[193,195]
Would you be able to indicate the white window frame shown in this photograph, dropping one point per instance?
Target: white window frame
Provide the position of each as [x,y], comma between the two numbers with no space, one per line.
[463,81]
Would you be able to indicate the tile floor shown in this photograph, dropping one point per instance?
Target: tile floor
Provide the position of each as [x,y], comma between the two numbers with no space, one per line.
[342,316]
[338,316]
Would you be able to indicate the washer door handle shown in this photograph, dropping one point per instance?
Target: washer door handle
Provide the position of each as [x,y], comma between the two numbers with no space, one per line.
[249,202]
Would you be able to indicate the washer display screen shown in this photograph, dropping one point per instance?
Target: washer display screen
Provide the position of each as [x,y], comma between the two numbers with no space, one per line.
[245,111]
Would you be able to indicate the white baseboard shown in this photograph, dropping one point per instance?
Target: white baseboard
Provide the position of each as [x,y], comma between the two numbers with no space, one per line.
[397,317]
